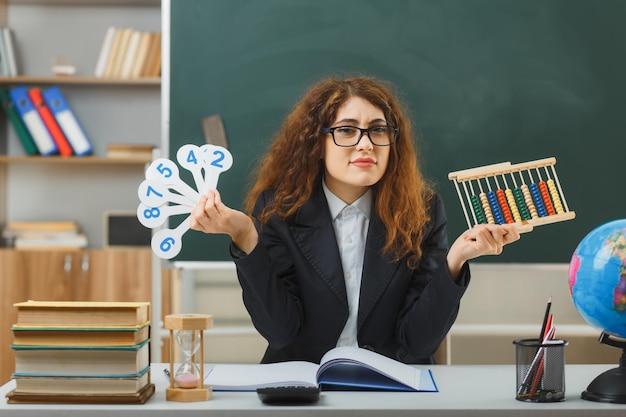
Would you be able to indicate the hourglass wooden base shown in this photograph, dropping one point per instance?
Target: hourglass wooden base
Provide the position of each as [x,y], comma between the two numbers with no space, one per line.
[186,391]
[186,395]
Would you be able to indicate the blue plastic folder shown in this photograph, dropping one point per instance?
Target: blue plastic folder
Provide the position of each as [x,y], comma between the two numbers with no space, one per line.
[33,121]
[75,134]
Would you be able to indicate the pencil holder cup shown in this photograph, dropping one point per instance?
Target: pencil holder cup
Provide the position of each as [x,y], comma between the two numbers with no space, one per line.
[540,370]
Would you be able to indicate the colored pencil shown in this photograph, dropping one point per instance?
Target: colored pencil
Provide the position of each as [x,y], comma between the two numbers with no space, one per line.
[545,320]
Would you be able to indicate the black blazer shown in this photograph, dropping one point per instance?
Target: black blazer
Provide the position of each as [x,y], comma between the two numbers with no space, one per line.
[293,288]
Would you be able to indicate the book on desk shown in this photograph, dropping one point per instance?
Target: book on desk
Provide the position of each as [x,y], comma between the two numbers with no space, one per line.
[341,368]
[82,313]
[82,352]
[80,336]
[91,361]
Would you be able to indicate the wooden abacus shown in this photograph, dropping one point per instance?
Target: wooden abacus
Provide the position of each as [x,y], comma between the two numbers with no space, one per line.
[527,204]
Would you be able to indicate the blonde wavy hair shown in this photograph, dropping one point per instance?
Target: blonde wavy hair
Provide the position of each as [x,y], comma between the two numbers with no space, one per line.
[293,163]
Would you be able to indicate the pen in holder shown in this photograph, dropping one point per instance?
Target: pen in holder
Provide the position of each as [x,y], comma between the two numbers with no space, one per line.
[540,370]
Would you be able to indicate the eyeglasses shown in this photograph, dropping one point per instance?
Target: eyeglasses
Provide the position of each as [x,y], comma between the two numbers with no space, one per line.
[348,136]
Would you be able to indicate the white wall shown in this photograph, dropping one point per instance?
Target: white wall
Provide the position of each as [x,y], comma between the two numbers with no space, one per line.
[109,114]
[504,302]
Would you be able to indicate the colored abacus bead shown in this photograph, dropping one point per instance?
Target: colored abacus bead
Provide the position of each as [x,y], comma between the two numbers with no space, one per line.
[555,197]
[514,209]
[480,216]
[546,198]
[506,211]
[529,202]
[534,191]
[486,208]
[495,208]
[521,204]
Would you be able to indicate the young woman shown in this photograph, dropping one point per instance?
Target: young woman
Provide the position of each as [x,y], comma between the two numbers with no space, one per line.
[345,243]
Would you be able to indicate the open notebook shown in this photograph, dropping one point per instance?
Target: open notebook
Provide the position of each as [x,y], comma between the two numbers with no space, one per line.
[340,368]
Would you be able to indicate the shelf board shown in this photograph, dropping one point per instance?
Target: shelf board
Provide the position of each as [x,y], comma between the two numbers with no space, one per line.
[23,79]
[87,2]
[72,160]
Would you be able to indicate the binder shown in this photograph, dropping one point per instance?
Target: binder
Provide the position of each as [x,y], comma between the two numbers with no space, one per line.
[76,136]
[32,120]
[142,54]
[153,68]
[129,56]
[120,54]
[8,43]
[4,58]
[18,124]
[53,127]
[105,52]
[113,53]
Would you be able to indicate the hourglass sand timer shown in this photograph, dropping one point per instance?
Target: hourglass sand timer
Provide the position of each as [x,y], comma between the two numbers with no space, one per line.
[187,332]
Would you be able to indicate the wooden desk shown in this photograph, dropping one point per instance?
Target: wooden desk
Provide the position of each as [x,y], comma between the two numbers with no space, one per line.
[465,390]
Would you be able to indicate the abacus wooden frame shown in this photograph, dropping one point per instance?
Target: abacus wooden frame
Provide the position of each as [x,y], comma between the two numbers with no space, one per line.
[506,168]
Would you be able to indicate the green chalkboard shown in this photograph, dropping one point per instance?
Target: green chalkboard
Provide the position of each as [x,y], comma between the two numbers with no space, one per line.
[485,81]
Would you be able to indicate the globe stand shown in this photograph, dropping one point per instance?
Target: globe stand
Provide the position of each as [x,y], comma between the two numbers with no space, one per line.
[609,386]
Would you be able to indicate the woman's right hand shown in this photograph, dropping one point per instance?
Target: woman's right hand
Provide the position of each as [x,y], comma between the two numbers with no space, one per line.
[210,215]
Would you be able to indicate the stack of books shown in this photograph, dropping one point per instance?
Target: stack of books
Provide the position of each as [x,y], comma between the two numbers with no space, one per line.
[82,352]
[44,235]
[127,53]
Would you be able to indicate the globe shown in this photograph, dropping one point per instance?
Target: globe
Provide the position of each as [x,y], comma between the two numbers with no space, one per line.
[597,278]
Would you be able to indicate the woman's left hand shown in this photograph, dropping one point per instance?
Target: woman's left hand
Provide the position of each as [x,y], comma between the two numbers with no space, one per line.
[482,239]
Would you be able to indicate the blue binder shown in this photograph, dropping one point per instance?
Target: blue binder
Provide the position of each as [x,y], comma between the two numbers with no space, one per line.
[75,134]
[32,120]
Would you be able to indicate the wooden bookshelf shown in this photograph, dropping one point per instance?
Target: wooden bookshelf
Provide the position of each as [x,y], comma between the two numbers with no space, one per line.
[72,160]
[91,81]
[77,188]
[111,110]
[81,2]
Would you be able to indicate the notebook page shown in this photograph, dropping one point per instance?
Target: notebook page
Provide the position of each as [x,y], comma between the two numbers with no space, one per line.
[248,377]
[403,373]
